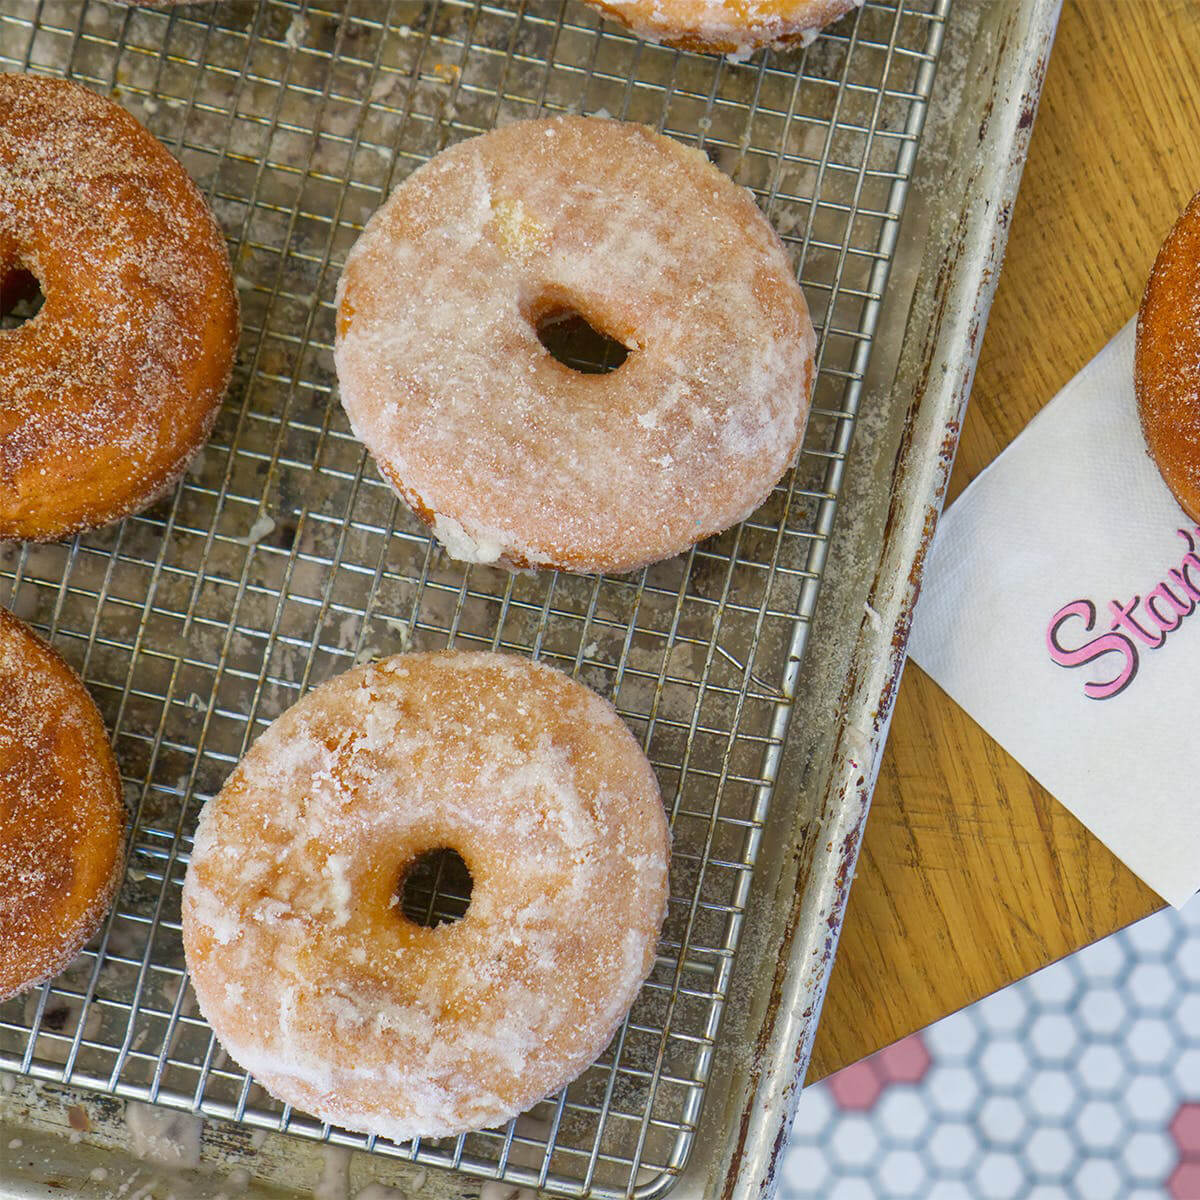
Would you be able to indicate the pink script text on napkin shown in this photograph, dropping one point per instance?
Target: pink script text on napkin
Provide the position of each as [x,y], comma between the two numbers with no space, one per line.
[1161,613]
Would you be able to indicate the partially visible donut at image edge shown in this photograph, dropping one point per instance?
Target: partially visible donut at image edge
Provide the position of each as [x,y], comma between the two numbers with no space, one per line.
[733,27]
[62,817]
[511,455]
[1167,361]
[110,389]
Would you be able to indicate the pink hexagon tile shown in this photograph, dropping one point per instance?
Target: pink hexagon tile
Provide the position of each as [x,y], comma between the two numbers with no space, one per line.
[860,1085]
[1184,1181]
[1185,1129]
[857,1086]
[904,1062]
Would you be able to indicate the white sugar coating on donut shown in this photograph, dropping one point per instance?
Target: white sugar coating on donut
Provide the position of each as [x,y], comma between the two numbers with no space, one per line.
[515,457]
[49,761]
[733,27]
[137,285]
[337,1003]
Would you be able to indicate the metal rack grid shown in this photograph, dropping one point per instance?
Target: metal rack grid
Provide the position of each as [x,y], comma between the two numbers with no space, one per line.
[282,557]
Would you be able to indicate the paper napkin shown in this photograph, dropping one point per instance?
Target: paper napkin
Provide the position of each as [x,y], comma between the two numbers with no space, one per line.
[1061,608]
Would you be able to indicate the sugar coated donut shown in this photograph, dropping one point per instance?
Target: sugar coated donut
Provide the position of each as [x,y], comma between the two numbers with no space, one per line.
[733,27]
[514,457]
[62,819]
[1167,361]
[317,983]
[111,388]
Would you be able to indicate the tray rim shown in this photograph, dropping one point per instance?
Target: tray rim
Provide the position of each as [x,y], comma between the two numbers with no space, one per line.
[957,284]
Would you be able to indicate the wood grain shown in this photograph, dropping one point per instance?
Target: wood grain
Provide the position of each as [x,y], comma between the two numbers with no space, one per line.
[971,875]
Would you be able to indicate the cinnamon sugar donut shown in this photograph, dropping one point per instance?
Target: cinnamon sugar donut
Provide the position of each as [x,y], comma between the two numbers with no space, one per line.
[113,386]
[514,457]
[62,820]
[733,27]
[1167,361]
[336,1002]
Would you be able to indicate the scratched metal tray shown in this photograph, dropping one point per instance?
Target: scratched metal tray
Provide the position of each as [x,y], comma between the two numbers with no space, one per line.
[758,669]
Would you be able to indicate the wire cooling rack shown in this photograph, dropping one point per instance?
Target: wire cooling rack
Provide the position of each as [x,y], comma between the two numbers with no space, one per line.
[282,558]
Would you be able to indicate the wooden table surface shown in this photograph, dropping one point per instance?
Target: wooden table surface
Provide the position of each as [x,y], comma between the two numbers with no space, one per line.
[971,875]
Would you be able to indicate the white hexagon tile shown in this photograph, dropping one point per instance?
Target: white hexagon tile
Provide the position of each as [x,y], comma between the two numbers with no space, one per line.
[1081,1082]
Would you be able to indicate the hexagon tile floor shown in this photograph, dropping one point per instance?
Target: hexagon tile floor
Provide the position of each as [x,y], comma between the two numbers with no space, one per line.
[1081,1082]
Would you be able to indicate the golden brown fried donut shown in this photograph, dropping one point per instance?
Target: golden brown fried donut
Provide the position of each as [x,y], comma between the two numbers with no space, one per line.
[62,820]
[733,27]
[317,983]
[512,456]
[108,392]
[1167,360]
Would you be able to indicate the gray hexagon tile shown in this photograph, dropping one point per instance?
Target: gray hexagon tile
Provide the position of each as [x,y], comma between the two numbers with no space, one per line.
[1081,1082]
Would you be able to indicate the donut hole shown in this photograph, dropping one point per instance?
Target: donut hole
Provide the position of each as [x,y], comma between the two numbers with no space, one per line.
[576,343]
[435,888]
[21,298]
